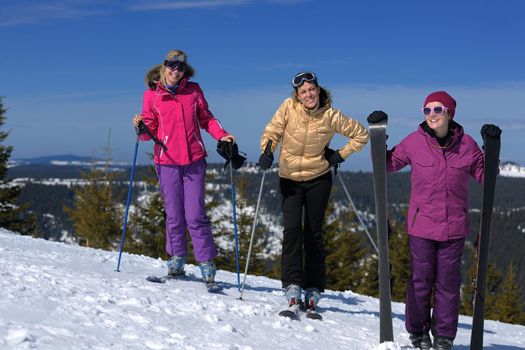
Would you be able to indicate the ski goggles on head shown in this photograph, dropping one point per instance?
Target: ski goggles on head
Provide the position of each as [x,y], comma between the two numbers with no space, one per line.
[302,77]
[175,64]
[437,110]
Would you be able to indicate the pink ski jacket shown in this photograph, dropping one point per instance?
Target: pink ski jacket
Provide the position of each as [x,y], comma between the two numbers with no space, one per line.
[438,208]
[176,120]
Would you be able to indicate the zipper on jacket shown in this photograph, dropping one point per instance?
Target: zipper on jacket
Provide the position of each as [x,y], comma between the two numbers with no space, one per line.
[414,218]
[198,140]
[162,149]
[304,145]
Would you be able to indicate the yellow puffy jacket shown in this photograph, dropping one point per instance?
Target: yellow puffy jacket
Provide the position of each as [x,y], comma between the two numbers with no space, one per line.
[304,135]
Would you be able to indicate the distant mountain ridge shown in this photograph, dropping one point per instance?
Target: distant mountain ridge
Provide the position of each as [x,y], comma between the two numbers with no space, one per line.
[63,160]
[507,168]
[511,169]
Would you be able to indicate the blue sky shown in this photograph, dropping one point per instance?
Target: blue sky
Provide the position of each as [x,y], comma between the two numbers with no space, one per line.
[72,70]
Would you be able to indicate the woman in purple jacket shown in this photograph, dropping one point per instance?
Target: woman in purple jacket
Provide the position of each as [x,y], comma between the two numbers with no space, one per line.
[174,110]
[442,158]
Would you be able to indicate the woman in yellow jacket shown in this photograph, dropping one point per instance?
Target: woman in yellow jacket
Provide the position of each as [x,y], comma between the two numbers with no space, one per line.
[304,124]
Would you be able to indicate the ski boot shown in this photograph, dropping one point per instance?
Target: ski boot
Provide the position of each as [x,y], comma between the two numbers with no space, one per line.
[176,266]
[208,271]
[311,299]
[293,295]
[443,343]
[421,341]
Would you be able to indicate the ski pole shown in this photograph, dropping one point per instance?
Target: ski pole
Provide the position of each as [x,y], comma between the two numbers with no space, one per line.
[267,150]
[234,220]
[127,203]
[144,129]
[355,210]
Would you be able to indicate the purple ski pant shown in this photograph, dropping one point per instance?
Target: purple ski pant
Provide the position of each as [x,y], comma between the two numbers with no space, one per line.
[435,267]
[182,188]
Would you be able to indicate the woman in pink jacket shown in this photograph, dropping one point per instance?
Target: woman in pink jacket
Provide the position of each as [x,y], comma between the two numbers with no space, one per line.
[174,110]
[442,158]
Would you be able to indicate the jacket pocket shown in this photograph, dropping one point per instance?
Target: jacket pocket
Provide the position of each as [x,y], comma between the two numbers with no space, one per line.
[424,163]
[424,170]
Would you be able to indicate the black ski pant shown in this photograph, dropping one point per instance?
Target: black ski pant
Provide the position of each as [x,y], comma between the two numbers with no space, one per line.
[304,204]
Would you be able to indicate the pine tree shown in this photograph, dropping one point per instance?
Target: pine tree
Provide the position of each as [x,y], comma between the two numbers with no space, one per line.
[494,279]
[399,260]
[344,252]
[12,216]
[509,306]
[95,216]
[370,283]
[147,222]
[245,218]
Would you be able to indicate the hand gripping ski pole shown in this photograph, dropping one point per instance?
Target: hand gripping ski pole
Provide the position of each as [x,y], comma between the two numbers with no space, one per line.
[127,203]
[143,129]
[355,210]
[267,150]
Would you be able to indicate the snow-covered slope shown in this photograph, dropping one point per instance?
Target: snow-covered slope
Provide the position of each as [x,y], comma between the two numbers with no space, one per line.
[511,169]
[58,296]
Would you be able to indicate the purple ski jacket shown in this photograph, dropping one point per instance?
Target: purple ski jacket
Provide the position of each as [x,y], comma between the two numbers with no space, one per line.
[176,120]
[438,207]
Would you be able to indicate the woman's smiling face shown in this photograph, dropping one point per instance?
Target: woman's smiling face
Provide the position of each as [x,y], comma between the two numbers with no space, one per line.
[437,122]
[308,94]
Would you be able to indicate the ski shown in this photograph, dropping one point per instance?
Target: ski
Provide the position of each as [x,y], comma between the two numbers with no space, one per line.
[291,312]
[211,287]
[312,314]
[163,279]
[378,145]
[491,163]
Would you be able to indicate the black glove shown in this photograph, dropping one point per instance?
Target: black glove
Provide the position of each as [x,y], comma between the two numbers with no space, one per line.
[333,157]
[224,149]
[376,117]
[265,161]
[141,128]
[490,130]
[230,152]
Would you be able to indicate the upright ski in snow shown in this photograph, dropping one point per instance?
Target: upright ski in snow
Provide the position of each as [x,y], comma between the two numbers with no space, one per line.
[378,144]
[491,163]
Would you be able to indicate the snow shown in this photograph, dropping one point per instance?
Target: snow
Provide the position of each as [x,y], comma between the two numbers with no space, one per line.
[511,169]
[59,296]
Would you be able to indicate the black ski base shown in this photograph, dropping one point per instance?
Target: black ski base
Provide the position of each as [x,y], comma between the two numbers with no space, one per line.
[289,314]
[293,313]
[312,314]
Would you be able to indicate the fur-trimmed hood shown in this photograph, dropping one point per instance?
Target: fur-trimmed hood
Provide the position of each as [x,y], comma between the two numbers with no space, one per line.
[153,76]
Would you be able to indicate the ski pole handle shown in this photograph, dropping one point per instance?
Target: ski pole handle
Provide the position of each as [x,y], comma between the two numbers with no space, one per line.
[268,148]
[143,127]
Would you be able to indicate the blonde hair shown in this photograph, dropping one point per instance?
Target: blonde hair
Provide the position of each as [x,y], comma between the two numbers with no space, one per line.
[188,72]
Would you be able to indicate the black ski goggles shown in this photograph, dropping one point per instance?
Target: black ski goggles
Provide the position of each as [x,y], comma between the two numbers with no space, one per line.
[175,64]
[300,78]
